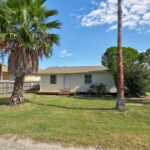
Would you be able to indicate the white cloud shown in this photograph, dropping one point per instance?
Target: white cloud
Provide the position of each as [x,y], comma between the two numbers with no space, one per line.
[94,2]
[65,53]
[136,14]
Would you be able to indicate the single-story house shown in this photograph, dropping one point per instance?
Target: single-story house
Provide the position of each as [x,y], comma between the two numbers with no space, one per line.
[5,75]
[75,79]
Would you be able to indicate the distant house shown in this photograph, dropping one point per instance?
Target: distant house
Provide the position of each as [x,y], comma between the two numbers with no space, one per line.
[75,79]
[5,75]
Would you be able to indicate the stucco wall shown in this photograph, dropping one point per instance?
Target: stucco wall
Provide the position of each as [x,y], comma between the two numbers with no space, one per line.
[27,78]
[46,86]
[77,82]
[32,78]
[6,76]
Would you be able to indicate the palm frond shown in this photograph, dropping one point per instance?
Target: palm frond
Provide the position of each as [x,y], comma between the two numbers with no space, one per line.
[50,13]
[53,24]
[24,34]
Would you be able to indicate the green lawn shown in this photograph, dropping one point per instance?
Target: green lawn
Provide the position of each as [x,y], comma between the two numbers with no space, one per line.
[78,121]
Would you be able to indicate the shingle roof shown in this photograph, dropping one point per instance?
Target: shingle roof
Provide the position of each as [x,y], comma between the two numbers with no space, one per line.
[73,69]
[5,68]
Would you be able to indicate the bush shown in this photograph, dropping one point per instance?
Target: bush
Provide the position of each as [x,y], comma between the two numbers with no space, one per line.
[98,89]
[137,82]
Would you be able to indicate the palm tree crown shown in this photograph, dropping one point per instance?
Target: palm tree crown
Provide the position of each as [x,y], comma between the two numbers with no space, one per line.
[24,33]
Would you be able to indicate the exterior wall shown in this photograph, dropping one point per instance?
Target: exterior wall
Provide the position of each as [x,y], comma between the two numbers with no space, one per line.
[32,78]
[46,86]
[27,78]
[77,82]
[6,76]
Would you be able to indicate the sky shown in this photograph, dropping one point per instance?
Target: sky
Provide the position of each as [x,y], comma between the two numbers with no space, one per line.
[89,27]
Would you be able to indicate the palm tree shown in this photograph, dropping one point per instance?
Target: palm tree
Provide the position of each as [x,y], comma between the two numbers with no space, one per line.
[24,35]
[1,71]
[120,105]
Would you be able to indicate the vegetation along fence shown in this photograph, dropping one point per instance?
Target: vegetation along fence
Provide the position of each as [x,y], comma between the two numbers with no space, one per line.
[7,86]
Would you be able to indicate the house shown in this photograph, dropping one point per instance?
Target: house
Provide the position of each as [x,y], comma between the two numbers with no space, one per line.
[5,75]
[75,79]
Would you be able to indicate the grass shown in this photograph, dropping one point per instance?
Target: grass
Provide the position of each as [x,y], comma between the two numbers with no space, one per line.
[78,121]
[148,93]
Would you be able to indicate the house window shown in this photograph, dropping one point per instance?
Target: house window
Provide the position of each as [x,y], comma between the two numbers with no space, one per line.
[88,78]
[53,79]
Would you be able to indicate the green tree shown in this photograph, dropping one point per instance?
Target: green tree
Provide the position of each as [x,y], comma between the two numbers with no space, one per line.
[25,36]
[137,80]
[130,57]
[135,72]
[144,58]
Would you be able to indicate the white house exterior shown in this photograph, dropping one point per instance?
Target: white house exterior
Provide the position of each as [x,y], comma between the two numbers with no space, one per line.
[75,79]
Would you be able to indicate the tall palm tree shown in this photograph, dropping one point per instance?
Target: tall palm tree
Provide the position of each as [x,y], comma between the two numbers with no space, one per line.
[120,105]
[1,71]
[25,36]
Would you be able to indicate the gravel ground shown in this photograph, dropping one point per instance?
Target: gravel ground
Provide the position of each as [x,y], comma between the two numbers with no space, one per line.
[13,144]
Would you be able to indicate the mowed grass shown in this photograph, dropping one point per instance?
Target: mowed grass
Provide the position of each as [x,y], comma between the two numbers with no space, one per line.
[78,121]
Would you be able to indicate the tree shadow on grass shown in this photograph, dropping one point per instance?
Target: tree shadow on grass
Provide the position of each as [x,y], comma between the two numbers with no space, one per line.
[84,97]
[4,101]
[139,101]
[68,107]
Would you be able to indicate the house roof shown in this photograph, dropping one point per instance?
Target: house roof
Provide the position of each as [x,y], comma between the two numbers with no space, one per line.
[5,68]
[73,69]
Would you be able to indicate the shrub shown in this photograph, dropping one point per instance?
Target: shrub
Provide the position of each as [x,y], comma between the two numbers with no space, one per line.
[98,89]
[137,82]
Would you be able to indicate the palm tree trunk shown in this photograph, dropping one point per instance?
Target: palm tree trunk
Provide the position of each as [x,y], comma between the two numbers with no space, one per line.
[120,105]
[1,71]
[17,94]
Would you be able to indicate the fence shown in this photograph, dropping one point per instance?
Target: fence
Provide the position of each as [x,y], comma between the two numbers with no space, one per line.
[7,86]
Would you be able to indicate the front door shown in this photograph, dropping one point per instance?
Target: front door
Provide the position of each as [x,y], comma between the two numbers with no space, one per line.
[67,82]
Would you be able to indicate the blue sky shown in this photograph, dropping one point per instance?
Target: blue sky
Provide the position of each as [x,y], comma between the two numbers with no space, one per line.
[84,37]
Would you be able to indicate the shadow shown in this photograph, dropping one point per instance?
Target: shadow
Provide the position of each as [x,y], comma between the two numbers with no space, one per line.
[4,101]
[67,107]
[31,91]
[86,97]
[139,101]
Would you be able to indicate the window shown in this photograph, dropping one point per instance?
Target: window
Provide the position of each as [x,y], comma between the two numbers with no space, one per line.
[53,79]
[88,79]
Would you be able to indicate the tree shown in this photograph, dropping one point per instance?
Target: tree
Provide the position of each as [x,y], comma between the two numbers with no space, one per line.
[136,72]
[120,105]
[25,37]
[130,57]
[144,58]
[1,71]
[137,80]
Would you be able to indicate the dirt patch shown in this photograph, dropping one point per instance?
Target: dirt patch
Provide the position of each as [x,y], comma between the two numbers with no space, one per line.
[28,144]
[132,104]
[139,100]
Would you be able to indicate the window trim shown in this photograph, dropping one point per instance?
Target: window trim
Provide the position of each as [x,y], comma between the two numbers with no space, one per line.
[85,80]
[54,80]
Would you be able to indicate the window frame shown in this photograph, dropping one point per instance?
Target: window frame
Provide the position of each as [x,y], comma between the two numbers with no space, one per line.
[88,81]
[53,79]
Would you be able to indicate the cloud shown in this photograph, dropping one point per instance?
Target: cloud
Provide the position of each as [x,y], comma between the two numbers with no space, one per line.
[94,2]
[136,14]
[65,53]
